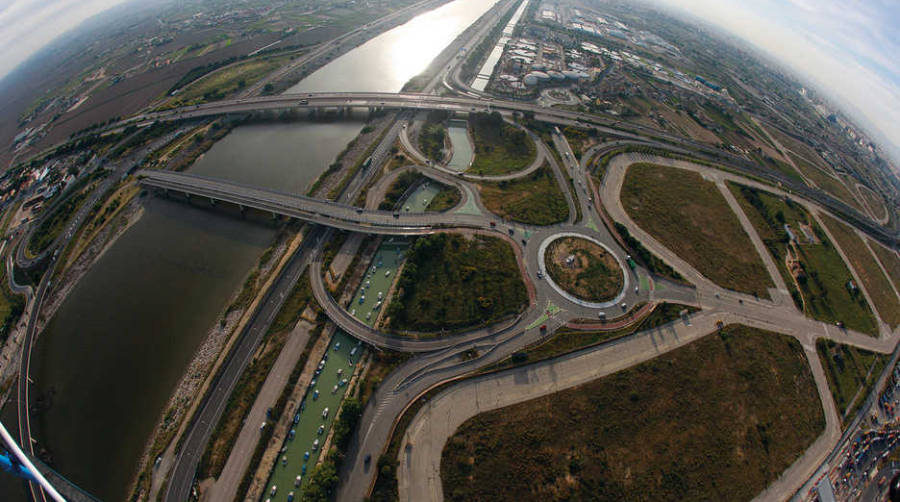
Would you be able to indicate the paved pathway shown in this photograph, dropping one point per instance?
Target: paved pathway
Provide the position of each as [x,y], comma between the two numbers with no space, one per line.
[239,459]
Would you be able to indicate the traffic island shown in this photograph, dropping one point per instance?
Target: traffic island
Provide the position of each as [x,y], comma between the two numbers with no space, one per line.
[584,269]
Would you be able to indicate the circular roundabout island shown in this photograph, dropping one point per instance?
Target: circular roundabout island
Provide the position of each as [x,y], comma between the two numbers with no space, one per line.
[583,268]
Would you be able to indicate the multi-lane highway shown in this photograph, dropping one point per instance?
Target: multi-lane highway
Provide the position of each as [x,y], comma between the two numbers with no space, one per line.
[606,126]
[438,360]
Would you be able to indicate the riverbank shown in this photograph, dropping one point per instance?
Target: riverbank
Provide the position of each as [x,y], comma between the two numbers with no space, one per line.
[207,361]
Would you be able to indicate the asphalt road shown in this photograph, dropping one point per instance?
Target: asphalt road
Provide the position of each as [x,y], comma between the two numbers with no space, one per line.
[546,307]
[65,237]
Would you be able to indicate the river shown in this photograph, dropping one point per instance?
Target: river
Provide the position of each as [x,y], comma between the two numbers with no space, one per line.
[389,60]
[112,354]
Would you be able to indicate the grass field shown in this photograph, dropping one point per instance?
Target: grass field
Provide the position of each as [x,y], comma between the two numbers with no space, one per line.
[224,82]
[499,147]
[867,269]
[889,259]
[451,282]
[398,188]
[689,215]
[535,199]
[594,274]
[833,186]
[874,202]
[251,381]
[851,373]
[718,419]
[820,289]
[446,199]
[51,226]
[431,140]
[579,139]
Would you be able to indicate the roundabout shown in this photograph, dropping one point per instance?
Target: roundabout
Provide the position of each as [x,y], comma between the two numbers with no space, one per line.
[577,263]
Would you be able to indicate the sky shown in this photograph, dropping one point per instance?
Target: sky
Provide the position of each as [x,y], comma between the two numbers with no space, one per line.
[28,25]
[846,48]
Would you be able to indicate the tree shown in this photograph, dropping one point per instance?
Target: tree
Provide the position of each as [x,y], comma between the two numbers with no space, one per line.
[322,481]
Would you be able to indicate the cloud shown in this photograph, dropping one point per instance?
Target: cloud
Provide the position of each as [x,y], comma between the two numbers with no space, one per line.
[847,50]
[28,25]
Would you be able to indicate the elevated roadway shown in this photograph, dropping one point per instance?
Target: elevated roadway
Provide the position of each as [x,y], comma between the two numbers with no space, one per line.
[608,126]
[331,214]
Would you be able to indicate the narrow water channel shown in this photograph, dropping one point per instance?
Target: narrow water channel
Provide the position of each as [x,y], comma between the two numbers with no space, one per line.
[109,359]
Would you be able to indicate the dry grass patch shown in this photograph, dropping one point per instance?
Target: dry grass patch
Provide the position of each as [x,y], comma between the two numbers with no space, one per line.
[867,269]
[811,267]
[834,186]
[874,202]
[584,269]
[689,215]
[718,419]
[851,373]
[535,199]
[889,259]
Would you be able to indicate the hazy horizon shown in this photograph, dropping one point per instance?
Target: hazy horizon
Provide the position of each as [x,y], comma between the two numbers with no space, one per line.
[846,52]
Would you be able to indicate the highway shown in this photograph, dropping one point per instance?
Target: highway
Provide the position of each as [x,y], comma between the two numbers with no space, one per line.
[613,127]
[441,361]
[437,359]
[309,209]
[61,242]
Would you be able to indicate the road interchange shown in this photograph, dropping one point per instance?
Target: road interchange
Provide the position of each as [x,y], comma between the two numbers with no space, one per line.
[438,360]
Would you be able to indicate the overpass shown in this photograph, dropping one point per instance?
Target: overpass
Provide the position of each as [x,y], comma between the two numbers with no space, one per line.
[323,212]
[313,102]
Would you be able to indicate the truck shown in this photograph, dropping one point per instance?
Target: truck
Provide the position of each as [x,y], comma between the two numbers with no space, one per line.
[631,263]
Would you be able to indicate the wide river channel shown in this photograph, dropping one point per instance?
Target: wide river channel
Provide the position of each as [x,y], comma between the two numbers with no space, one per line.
[111,356]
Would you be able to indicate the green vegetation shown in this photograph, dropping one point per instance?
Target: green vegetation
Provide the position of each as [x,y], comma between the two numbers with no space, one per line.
[447,198]
[874,202]
[431,139]
[718,419]
[535,199]
[830,184]
[323,479]
[689,216]
[277,410]
[851,374]
[218,85]
[351,173]
[873,279]
[812,269]
[776,165]
[653,263]
[500,148]
[579,139]
[381,364]
[11,305]
[451,282]
[251,381]
[51,226]
[889,260]
[593,275]
[399,187]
